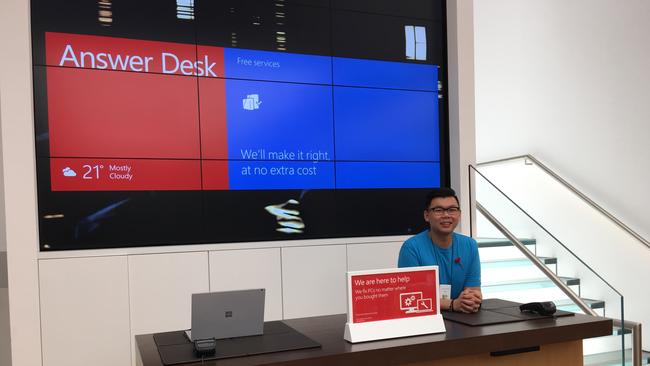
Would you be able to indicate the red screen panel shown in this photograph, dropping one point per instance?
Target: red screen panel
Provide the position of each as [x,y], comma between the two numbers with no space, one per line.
[215,175]
[95,113]
[214,130]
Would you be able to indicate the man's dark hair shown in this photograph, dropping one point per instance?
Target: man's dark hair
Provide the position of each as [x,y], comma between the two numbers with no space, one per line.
[440,192]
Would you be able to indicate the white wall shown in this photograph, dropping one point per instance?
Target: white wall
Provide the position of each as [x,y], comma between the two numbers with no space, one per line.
[35,313]
[567,81]
[3,237]
[460,28]
[5,345]
[19,182]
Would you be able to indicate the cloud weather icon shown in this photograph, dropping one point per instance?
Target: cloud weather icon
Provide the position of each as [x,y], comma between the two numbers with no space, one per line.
[68,172]
[251,102]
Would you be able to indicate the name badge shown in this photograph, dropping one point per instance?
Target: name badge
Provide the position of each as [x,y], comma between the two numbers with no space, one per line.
[445,291]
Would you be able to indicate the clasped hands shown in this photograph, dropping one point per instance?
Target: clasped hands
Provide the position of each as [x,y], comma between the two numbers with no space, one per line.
[469,301]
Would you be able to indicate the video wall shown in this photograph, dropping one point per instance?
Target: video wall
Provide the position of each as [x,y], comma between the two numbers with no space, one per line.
[183,122]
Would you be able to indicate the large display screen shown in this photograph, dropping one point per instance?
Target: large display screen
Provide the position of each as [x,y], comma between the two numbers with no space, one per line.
[181,122]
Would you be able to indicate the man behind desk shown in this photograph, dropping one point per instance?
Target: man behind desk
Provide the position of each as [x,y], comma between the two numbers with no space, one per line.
[456,255]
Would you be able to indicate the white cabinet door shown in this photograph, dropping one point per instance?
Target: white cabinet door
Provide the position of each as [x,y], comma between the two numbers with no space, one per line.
[85,311]
[313,280]
[246,269]
[161,288]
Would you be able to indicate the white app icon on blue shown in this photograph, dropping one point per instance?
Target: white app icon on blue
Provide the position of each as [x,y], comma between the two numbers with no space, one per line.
[251,102]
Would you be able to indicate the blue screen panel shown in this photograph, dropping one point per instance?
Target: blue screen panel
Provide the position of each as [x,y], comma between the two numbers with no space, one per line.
[385,74]
[277,66]
[387,175]
[280,175]
[386,125]
[280,121]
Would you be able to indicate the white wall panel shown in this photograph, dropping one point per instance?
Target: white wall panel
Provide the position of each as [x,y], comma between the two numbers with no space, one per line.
[161,288]
[462,134]
[567,81]
[250,268]
[373,256]
[18,188]
[85,311]
[313,280]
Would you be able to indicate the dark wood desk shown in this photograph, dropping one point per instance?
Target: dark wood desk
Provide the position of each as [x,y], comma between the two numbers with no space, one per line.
[559,339]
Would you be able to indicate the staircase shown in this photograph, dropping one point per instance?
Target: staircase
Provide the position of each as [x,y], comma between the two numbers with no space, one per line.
[507,274]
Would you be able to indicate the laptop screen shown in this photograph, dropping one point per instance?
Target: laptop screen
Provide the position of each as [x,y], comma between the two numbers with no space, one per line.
[227,314]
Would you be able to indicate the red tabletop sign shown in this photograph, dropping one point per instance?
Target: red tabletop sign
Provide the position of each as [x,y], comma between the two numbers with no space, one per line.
[393,295]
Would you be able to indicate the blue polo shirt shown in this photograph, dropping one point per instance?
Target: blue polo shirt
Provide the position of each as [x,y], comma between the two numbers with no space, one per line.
[459,265]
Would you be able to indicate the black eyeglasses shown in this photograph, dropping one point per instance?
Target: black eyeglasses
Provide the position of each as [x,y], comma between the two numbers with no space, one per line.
[439,211]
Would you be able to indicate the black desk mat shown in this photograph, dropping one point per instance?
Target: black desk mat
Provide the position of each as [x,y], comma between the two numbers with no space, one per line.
[174,347]
[481,317]
[497,311]
[514,311]
[489,304]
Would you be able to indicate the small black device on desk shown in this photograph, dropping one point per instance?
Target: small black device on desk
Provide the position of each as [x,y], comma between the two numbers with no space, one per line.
[541,308]
[204,347]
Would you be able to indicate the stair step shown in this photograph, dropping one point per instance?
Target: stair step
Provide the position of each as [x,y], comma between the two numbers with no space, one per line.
[502,249]
[609,343]
[516,262]
[618,331]
[613,358]
[530,295]
[594,304]
[534,282]
[503,263]
[541,289]
[570,281]
[501,242]
[568,305]
[577,310]
[548,260]
[506,271]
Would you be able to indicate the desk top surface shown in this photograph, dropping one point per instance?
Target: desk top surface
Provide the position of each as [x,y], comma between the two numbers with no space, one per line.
[458,340]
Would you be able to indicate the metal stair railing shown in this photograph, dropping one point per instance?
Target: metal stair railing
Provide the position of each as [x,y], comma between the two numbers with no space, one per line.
[578,193]
[625,324]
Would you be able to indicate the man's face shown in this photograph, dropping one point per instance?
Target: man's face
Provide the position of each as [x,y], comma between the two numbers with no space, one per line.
[442,215]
